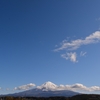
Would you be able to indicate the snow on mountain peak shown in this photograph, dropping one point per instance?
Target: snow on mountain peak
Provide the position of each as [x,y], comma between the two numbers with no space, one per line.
[47,86]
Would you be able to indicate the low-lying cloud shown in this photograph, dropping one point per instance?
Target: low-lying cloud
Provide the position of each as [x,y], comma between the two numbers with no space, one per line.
[25,87]
[74,87]
[78,87]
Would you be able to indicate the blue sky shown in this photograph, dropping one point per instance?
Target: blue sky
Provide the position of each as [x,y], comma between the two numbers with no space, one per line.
[34,42]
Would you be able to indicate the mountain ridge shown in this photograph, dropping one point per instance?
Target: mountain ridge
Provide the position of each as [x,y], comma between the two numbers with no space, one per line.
[48,89]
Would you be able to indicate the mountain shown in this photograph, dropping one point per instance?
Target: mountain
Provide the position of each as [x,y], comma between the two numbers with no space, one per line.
[47,89]
[47,86]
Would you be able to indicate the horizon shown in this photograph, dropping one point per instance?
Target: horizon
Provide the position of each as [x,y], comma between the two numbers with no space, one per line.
[50,86]
[51,40]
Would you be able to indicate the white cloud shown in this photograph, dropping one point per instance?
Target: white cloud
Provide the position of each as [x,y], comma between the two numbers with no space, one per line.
[70,56]
[25,87]
[81,87]
[95,88]
[75,44]
[83,53]
[74,87]
[78,87]
[53,87]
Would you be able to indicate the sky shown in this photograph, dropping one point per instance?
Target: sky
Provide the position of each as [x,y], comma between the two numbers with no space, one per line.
[49,40]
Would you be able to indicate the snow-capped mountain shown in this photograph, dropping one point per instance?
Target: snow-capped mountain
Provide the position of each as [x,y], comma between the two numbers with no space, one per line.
[47,89]
[47,86]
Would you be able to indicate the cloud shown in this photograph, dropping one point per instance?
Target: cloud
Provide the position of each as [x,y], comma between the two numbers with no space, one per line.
[83,53]
[95,88]
[75,44]
[74,87]
[72,56]
[82,87]
[24,87]
[78,87]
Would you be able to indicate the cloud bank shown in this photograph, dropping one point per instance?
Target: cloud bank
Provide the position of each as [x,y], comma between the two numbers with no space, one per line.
[25,87]
[74,87]
[79,87]
[75,44]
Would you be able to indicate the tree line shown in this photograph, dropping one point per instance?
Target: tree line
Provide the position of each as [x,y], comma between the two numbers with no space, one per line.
[77,97]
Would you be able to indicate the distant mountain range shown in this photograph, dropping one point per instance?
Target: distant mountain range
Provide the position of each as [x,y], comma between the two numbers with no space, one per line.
[47,89]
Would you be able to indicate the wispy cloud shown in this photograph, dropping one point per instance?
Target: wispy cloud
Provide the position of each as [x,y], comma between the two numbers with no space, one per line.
[25,87]
[70,56]
[83,53]
[75,44]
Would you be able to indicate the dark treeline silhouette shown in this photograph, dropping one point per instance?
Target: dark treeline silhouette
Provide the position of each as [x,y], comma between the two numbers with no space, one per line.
[77,97]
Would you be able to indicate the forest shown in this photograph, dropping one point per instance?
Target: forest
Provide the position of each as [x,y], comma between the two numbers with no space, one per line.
[77,97]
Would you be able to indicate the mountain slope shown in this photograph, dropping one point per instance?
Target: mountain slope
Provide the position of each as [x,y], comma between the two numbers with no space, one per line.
[47,89]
